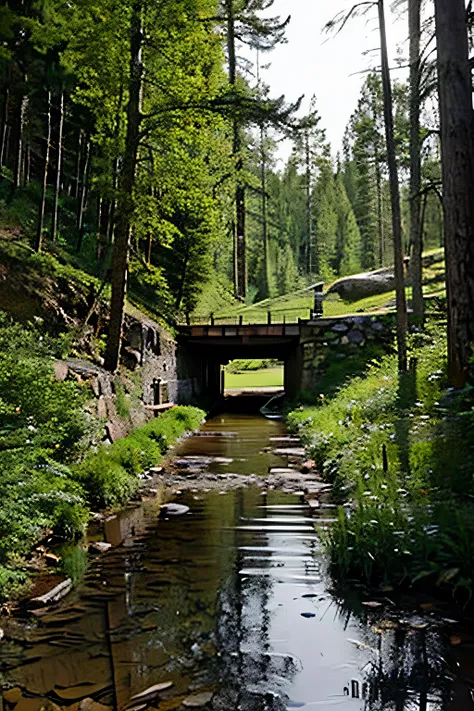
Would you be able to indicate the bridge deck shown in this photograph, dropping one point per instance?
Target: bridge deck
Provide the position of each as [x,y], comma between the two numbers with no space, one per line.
[233,331]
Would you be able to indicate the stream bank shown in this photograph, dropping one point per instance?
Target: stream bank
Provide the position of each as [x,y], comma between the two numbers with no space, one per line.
[228,607]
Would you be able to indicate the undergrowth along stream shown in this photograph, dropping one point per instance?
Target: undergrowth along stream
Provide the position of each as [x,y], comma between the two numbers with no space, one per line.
[52,469]
[399,450]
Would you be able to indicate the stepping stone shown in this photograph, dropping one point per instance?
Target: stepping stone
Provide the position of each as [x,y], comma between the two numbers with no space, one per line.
[174,510]
[286,471]
[290,451]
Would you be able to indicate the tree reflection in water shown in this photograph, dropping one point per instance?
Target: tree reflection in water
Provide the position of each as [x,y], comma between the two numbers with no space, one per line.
[410,669]
[251,676]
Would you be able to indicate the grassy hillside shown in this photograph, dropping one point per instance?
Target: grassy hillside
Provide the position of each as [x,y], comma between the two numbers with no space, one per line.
[298,304]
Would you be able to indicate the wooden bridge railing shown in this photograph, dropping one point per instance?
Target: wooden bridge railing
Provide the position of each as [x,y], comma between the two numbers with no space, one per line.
[275,316]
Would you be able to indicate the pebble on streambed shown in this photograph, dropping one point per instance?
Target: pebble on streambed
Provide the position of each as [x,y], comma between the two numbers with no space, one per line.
[198,700]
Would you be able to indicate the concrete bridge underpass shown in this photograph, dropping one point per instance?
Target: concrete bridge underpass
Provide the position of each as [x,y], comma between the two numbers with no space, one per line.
[306,348]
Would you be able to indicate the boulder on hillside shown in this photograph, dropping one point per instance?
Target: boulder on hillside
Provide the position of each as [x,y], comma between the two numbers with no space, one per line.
[361,286]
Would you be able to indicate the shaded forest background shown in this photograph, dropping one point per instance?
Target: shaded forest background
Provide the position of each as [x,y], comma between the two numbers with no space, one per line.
[208,137]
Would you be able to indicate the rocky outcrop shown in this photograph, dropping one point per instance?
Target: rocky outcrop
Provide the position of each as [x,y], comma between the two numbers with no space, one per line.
[361,286]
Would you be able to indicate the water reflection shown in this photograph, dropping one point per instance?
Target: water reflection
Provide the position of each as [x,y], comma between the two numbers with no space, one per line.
[231,599]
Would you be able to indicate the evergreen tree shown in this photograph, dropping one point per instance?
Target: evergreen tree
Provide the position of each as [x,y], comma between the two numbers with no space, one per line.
[348,241]
[244,24]
[308,146]
[324,208]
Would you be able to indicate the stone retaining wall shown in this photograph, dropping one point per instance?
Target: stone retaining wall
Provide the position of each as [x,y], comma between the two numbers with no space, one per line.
[325,340]
[149,375]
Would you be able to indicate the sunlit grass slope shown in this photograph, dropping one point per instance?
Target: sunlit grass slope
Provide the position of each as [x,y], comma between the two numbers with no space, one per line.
[298,304]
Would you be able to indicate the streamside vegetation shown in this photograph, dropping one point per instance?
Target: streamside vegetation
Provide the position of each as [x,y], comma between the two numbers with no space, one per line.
[398,450]
[52,471]
[397,441]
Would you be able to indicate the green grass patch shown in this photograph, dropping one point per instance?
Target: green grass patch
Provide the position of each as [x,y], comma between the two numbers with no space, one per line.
[110,476]
[298,304]
[269,377]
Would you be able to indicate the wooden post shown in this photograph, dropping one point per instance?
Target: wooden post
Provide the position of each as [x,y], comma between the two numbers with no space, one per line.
[241,320]
[384,458]
[318,301]
[212,319]
[269,318]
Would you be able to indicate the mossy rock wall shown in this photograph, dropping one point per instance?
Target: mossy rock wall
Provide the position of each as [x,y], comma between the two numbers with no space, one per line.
[341,345]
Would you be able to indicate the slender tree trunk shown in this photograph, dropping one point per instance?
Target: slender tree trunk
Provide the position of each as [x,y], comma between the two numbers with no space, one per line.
[39,232]
[149,244]
[238,227]
[103,228]
[26,165]
[19,145]
[57,188]
[402,315]
[120,253]
[113,202]
[182,281]
[457,159]
[4,125]
[77,172]
[378,180]
[83,197]
[115,163]
[241,242]
[380,229]
[266,255]
[416,241]
[309,213]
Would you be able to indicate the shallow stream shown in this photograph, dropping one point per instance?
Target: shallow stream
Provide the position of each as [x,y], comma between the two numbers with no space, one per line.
[232,604]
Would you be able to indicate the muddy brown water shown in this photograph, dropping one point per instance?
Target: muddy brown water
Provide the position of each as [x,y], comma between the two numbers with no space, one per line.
[231,600]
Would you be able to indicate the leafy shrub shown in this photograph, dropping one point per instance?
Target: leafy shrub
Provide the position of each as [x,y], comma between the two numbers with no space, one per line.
[42,424]
[12,582]
[111,476]
[35,499]
[37,411]
[106,481]
[136,452]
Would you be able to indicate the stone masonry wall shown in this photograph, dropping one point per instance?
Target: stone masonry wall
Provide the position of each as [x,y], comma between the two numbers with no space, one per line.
[149,375]
[325,340]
